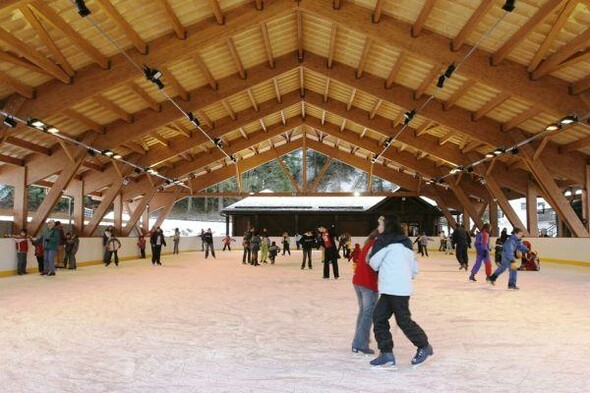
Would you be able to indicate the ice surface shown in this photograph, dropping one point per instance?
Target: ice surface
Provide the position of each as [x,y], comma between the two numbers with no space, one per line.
[196,325]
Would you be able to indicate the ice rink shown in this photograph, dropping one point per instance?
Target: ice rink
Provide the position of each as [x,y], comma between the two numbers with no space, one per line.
[215,325]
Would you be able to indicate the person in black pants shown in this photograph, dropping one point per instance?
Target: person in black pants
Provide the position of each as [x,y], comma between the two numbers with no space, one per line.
[286,243]
[157,240]
[208,240]
[330,252]
[461,241]
[307,242]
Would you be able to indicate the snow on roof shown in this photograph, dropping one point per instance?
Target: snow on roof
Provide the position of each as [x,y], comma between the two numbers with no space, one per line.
[318,203]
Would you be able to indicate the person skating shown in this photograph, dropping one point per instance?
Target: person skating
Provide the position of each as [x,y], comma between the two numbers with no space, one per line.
[307,242]
[176,240]
[227,243]
[246,240]
[255,247]
[112,248]
[141,245]
[264,245]
[482,247]
[354,255]
[71,248]
[107,234]
[202,240]
[50,244]
[443,241]
[460,242]
[364,281]
[424,239]
[21,242]
[157,240]
[297,241]
[417,241]
[330,252]
[286,245]
[273,251]
[208,239]
[39,251]
[392,257]
[509,260]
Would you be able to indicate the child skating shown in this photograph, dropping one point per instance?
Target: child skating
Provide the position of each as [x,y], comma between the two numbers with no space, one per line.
[482,246]
[511,245]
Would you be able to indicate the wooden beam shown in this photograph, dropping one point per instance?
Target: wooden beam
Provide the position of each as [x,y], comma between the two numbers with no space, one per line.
[118,213]
[443,207]
[277,90]
[580,86]
[66,150]
[395,70]
[576,145]
[332,47]
[148,99]
[531,210]
[134,147]
[217,12]
[376,17]
[23,50]
[423,129]
[129,32]
[304,164]
[288,174]
[327,90]
[460,92]
[301,82]
[11,160]
[527,28]
[228,109]
[540,148]
[178,28]
[160,139]
[90,124]
[20,62]
[553,62]
[421,20]
[267,45]
[490,105]
[135,216]
[555,30]
[112,107]
[19,87]
[520,118]
[320,175]
[107,199]
[45,11]
[471,25]
[171,201]
[351,99]
[46,39]
[175,84]
[466,202]
[259,5]
[205,71]
[363,60]
[446,138]
[375,108]
[28,145]
[299,35]
[236,58]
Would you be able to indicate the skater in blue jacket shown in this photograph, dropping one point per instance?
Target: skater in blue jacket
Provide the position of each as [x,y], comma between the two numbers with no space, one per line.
[509,260]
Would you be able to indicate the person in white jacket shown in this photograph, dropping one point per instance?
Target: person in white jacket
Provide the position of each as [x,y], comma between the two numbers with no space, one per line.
[393,258]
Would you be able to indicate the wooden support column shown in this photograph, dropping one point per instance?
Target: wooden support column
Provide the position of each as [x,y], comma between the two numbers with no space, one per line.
[145,218]
[304,164]
[320,175]
[108,198]
[531,209]
[467,205]
[76,191]
[170,201]
[551,191]
[494,218]
[139,212]
[466,222]
[504,203]
[118,214]
[288,174]
[442,205]
[20,198]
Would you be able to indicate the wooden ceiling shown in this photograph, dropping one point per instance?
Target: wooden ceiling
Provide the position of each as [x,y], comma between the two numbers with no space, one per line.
[262,74]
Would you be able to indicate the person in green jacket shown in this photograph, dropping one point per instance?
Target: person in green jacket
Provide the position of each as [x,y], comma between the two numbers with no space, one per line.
[50,243]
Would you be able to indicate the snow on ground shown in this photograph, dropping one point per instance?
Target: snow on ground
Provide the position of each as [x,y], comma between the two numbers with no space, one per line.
[196,325]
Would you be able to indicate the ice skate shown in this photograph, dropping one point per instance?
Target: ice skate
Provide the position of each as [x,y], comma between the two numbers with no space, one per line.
[422,354]
[384,360]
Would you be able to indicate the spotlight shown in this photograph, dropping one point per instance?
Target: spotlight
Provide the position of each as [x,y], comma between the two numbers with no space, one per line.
[168,181]
[232,158]
[469,169]
[52,130]
[160,189]
[408,116]
[450,69]
[456,170]
[482,181]
[151,171]
[553,127]
[509,5]
[441,81]
[490,155]
[36,123]
[388,142]
[117,156]
[373,160]
[91,152]
[9,122]
[515,150]
[193,119]
[441,181]
[82,9]
[569,120]
[191,176]
[138,170]
[218,142]
[499,150]
[126,181]
[107,153]
[153,76]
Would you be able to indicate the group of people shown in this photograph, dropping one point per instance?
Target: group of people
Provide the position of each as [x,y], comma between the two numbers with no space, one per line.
[258,248]
[53,248]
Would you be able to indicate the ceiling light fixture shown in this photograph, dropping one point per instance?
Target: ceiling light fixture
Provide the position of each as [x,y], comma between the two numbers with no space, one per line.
[154,76]
[9,122]
[82,9]
[53,130]
[36,123]
[569,120]
[509,5]
[553,127]
[408,116]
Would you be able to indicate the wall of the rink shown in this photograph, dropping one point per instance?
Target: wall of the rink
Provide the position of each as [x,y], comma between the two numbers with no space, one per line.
[569,251]
[91,252]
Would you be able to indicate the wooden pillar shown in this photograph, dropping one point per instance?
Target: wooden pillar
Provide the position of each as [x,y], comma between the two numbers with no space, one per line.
[118,214]
[304,168]
[172,198]
[531,209]
[20,207]
[101,210]
[494,218]
[586,198]
[145,218]
[466,222]
[139,212]
[76,191]
[468,208]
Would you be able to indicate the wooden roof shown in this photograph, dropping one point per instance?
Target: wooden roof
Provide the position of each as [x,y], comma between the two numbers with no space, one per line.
[259,74]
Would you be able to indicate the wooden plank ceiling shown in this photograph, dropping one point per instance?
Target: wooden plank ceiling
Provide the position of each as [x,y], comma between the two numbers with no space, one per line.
[261,74]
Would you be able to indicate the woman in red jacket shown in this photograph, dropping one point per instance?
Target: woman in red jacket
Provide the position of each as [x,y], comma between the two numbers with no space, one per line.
[364,281]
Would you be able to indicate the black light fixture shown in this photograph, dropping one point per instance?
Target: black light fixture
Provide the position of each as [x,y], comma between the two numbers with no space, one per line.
[138,170]
[450,69]
[107,153]
[154,76]
[409,115]
[191,176]
[36,123]
[509,5]
[82,9]
[569,120]
[388,142]
[126,181]
[91,152]
[440,181]
[469,169]
[232,158]
[373,160]
[168,181]
[441,81]
[499,150]
[553,127]
[218,142]
[193,119]
[9,122]
[456,170]
[151,171]
[515,150]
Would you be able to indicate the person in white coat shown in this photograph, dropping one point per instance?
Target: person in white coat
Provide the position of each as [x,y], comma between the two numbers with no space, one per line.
[393,258]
